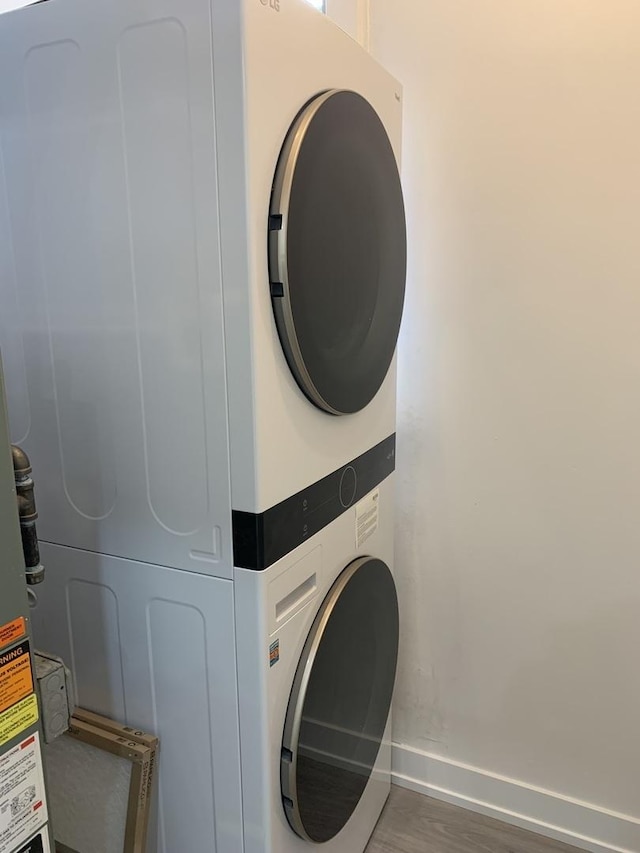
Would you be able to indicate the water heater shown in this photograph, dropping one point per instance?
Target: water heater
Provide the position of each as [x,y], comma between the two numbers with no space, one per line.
[24,819]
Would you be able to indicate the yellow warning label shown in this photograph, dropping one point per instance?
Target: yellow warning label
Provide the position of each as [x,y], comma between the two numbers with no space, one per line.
[12,631]
[15,675]
[17,719]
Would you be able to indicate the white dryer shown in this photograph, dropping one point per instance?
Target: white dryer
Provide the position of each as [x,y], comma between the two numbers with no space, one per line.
[270,694]
[202,245]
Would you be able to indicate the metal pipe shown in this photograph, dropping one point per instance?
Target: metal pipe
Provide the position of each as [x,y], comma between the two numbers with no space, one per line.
[28,515]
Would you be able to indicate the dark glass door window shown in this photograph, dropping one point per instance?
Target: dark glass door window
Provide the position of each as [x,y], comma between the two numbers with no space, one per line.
[340,701]
[337,251]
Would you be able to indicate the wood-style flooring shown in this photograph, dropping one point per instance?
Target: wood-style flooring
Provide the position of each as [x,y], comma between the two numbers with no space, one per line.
[412,823]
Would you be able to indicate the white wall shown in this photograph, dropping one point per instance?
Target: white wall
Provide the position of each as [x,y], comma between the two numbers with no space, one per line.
[11,5]
[352,16]
[519,436]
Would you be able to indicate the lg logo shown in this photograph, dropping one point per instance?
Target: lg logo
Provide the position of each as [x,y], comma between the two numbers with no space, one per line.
[273,4]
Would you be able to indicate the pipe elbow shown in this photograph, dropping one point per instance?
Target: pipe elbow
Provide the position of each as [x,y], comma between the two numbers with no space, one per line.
[21,462]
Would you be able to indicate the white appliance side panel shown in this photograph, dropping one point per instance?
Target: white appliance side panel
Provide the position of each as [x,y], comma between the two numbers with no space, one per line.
[241,355]
[294,443]
[253,682]
[154,648]
[109,249]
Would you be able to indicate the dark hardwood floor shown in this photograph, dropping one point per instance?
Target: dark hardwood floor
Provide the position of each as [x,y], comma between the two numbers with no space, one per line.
[412,823]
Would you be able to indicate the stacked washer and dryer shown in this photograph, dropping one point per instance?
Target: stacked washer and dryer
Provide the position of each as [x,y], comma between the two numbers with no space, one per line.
[202,266]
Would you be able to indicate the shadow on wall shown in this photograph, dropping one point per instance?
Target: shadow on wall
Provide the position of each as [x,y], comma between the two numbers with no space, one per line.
[428,589]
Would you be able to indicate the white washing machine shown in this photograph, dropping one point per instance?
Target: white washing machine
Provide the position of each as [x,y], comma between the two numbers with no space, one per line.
[270,693]
[202,267]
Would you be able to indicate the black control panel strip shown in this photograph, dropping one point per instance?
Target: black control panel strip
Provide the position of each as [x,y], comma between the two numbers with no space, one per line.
[259,540]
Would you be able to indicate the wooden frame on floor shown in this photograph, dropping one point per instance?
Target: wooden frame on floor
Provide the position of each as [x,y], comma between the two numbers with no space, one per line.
[133,745]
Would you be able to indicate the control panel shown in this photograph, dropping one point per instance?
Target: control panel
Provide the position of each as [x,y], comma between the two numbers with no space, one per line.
[261,539]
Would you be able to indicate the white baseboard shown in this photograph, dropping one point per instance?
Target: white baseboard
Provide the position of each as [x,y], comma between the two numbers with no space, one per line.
[582,824]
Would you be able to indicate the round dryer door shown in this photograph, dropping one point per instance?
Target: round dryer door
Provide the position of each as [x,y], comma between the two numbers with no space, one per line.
[337,251]
[340,701]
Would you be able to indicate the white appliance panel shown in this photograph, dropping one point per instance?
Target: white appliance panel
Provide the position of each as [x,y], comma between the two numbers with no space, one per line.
[109,236]
[153,648]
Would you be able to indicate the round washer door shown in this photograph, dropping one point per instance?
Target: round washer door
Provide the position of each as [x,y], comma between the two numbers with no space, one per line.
[337,251]
[340,701]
